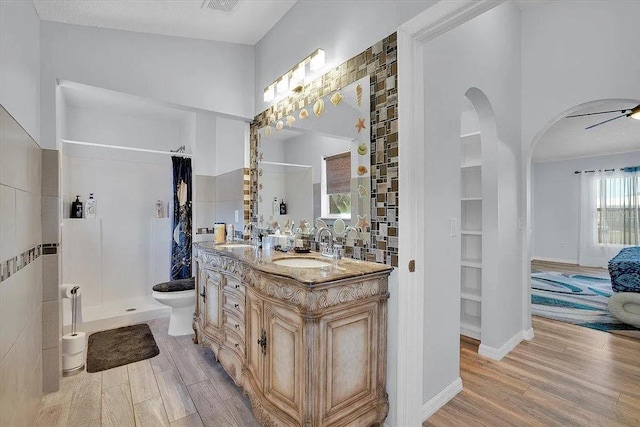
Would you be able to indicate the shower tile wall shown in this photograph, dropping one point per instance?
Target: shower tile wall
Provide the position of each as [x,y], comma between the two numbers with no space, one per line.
[20,273]
[51,307]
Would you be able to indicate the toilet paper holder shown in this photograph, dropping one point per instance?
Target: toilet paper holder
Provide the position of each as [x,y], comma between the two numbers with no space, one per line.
[73,344]
[74,309]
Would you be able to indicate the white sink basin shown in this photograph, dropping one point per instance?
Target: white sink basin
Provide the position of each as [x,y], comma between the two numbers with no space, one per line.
[234,245]
[301,262]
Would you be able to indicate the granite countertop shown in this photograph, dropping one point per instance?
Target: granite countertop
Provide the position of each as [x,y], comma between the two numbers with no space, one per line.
[263,261]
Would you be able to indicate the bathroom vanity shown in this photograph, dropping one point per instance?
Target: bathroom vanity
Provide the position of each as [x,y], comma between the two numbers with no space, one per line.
[304,336]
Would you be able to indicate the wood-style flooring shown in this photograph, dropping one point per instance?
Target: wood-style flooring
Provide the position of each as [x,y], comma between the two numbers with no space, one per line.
[566,376]
[568,268]
[183,386]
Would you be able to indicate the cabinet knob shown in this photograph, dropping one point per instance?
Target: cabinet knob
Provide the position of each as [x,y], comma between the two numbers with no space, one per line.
[237,345]
[236,305]
[237,326]
[237,286]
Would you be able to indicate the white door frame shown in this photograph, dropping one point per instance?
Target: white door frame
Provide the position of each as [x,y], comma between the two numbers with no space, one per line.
[438,19]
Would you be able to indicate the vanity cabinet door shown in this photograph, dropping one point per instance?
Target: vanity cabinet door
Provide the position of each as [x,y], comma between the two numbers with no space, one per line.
[350,356]
[212,300]
[285,359]
[254,330]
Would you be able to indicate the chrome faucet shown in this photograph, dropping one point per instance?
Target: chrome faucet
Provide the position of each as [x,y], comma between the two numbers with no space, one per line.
[252,229]
[327,249]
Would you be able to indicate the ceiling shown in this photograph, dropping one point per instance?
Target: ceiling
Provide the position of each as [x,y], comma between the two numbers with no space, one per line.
[247,23]
[568,138]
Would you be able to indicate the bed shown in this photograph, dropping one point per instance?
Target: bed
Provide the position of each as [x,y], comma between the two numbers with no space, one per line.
[624,270]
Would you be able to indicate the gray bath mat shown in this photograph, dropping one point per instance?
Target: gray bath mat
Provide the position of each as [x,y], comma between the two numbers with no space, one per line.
[121,346]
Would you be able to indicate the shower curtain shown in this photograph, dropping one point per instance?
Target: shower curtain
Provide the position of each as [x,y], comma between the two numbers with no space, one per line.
[181,242]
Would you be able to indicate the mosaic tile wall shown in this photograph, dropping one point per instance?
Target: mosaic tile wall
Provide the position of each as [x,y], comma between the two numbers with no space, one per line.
[380,63]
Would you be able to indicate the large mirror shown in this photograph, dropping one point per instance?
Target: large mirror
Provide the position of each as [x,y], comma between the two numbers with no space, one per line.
[314,163]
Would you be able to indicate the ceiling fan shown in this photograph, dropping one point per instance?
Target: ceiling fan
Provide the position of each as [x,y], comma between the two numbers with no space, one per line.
[634,113]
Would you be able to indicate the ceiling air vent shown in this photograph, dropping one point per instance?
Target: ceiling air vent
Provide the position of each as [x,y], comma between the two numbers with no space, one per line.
[224,5]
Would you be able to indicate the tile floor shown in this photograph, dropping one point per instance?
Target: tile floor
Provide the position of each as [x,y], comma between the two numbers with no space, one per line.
[183,386]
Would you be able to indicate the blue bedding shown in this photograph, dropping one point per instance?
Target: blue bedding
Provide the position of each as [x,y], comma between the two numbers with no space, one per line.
[624,270]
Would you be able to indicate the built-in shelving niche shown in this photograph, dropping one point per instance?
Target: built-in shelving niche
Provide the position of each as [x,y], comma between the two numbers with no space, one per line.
[471,234]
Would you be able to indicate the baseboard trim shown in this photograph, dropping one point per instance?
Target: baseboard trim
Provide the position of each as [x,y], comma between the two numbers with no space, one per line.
[499,353]
[441,399]
[558,260]
[528,334]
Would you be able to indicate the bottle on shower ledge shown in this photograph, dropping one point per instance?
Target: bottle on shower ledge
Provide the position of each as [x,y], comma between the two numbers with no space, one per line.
[159,209]
[90,209]
[76,208]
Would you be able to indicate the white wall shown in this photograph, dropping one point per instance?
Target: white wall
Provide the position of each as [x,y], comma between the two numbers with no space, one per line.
[556,203]
[342,29]
[482,53]
[205,74]
[205,163]
[575,52]
[232,145]
[20,64]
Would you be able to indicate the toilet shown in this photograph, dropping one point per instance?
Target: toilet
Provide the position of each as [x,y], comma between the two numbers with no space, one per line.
[180,295]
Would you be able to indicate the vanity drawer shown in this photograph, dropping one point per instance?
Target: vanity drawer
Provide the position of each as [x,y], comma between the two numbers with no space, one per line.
[234,285]
[233,322]
[234,293]
[234,341]
[233,304]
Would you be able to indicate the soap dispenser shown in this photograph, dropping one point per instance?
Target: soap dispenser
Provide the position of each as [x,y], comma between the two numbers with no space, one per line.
[283,207]
[76,208]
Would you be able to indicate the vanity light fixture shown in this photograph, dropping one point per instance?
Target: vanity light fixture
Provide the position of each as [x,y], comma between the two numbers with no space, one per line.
[293,80]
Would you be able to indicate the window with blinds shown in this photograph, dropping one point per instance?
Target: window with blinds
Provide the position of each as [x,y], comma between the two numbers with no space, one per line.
[336,186]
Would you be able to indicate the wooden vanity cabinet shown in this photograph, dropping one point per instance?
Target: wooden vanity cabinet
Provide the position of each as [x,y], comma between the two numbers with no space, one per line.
[312,356]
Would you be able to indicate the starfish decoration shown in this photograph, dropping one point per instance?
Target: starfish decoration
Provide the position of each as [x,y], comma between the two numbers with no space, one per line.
[360,125]
[362,223]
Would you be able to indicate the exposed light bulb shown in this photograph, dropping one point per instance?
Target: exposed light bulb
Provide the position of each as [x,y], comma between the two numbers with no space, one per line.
[635,113]
[283,84]
[269,93]
[297,76]
[317,60]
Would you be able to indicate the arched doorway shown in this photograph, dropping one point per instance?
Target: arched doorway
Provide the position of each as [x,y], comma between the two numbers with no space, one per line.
[556,206]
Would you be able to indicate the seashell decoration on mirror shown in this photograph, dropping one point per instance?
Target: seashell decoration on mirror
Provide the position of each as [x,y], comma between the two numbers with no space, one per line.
[318,164]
